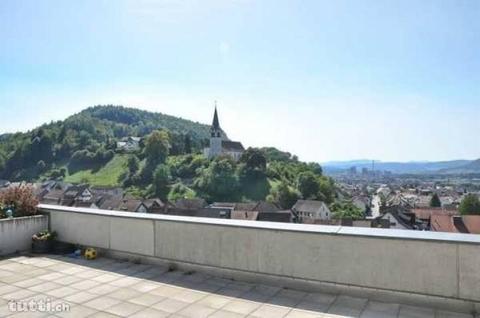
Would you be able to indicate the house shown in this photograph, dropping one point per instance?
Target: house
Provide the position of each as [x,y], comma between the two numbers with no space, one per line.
[110,202]
[53,197]
[76,193]
[220,144]
[311,210]
[400,218]
[190,204]
[129,144]
[133,205]
[455,223]
[155,205]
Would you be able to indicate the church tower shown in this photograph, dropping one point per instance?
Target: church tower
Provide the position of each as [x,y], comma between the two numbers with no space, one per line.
[215,136]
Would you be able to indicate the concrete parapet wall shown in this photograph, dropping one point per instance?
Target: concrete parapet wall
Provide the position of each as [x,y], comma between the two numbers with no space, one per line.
[16,234]
[428,264]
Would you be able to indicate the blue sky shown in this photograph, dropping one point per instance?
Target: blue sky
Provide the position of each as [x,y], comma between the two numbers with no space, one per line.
[327,80]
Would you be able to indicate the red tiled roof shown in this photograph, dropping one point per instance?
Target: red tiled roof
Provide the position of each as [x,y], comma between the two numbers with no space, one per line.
[442,223]
[455,224]
[426,213]
[472,223]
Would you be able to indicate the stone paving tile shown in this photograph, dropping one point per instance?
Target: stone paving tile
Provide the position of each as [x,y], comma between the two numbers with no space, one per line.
[89,273]
[270,311]
[106,278]
[226,314]
[77,312]
[170,305]
[146,299]
[52,276]
[196,311]
[144,286]
[298,313]
[416,312]
[8,289]
[241,306]
[150,313]
[102,303]
[62,292]
[190,296]
[124,309]
[311,306]
[448,314]
[13,278]
[124,294]
[166,291]
[103,314]
[68,280]
[348,306]
[229,292]
[85,284]
[80,297]
[29,282]
[19,294]
[214,301]
[103,289]
[125,281]
[380,310]
[45,286]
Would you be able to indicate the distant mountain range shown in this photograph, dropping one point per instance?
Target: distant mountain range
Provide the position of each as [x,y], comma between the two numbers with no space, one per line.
[414,167]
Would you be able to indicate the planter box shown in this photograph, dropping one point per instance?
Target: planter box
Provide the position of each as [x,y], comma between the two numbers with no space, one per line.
[16,234]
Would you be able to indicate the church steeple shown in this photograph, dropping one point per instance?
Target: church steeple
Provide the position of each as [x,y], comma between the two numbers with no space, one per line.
[215,130]
[215,123]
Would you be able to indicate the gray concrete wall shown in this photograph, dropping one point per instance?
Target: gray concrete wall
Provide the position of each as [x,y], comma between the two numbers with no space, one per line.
[424,263]
[16,234]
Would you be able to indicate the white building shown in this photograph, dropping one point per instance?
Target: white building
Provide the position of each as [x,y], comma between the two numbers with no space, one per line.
[311,210]
[220,144]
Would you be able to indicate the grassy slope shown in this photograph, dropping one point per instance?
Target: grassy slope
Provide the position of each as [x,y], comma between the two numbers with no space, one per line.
[108,175]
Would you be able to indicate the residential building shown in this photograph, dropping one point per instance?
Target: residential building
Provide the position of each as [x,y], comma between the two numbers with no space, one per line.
[129,144]
[311,210]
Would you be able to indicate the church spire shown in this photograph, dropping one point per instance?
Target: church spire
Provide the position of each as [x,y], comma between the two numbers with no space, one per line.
[215,123]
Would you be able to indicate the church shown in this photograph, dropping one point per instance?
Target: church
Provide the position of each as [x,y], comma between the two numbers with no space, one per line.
[219,142]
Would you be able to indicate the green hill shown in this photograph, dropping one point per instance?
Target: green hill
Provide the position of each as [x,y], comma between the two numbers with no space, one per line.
[167,163]
[90,137]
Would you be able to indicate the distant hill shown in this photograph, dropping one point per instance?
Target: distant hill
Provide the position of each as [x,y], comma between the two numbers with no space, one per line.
[401,167]
[469,167]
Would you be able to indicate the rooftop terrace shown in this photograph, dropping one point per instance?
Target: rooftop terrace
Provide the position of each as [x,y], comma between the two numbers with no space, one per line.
[112,288]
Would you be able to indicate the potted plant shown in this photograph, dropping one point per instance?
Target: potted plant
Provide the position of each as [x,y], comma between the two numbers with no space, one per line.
[42,242]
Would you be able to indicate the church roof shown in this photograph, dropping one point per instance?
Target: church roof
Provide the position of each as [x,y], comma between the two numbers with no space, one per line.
[215,123]
[232,145]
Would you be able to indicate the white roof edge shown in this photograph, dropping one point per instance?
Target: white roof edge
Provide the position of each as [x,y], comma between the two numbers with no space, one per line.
[293,227]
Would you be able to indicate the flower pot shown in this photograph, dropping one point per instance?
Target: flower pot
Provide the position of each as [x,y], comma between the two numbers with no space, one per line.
[41,246]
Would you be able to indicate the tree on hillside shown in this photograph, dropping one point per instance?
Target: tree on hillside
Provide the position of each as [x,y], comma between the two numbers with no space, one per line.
[180,191]
[435,201]
[254,159]
[157,147]
[308,185]
[470,205]
[133,164]
[346,210]
[283,196]
[326,189]
[156,152]
[161,178]
[218,182]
